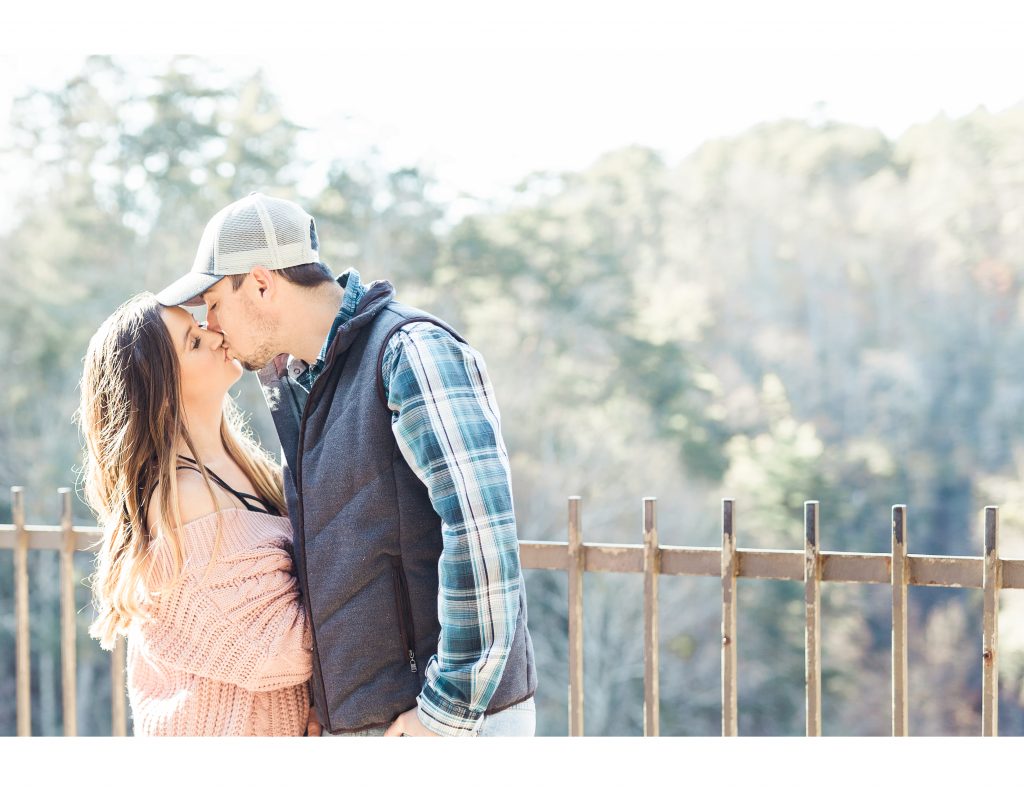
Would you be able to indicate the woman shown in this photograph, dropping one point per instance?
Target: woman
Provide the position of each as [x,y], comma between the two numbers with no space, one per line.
[194,565]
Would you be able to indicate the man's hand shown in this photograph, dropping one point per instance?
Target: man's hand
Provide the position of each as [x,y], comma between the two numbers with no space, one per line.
[408,724]
[313,724]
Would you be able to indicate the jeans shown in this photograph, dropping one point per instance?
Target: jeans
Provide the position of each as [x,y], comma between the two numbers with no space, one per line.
[517,720]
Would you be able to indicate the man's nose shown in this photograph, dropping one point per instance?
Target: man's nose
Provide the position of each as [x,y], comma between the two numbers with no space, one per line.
[211,322]
[218,337]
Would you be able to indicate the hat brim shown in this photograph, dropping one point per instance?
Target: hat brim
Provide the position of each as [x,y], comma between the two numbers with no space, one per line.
[187,290]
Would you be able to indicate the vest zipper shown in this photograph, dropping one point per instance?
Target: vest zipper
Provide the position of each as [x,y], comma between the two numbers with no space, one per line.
[302,522]
[404,608]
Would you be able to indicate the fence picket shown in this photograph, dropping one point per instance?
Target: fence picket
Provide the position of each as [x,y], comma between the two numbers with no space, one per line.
[990,626]
[22,671]
[651,571]
[899,621]
[68,659]
[575,618]
[812,611]
[729,574]
[118,709]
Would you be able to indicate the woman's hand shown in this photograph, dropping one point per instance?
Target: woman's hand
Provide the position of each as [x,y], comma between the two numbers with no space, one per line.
[313,727]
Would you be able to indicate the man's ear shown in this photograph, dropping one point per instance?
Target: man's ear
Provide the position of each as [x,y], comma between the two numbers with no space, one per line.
[264,280]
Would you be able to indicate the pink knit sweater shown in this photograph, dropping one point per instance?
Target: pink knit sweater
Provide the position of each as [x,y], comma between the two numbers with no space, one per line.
[225,651]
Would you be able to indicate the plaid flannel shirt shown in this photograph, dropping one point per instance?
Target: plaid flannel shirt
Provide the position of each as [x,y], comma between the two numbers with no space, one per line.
[446,422]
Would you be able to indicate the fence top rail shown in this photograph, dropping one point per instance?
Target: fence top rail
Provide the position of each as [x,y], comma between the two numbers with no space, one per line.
[772,564]
[51,537]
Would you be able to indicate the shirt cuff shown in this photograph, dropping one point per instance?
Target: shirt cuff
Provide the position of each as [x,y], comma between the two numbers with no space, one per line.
[446,717]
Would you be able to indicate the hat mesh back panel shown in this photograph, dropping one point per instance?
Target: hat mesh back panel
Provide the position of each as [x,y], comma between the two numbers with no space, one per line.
[289,228]
[242,232]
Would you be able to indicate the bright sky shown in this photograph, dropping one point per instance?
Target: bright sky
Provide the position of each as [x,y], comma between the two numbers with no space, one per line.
[482,98]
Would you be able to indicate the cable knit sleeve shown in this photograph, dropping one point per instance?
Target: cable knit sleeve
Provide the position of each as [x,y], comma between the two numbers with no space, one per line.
[240,621]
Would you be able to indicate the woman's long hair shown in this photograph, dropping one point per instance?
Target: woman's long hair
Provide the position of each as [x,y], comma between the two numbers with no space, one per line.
[132,418]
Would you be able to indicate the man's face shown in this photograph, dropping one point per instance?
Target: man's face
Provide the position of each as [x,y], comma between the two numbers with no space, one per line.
[249,333]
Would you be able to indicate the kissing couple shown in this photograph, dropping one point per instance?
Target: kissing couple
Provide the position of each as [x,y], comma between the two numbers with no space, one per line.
[368,585]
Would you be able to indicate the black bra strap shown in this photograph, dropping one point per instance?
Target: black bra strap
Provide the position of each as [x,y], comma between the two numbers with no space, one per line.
[268,508]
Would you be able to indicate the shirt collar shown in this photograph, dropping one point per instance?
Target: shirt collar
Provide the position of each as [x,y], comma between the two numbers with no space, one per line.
[354,291]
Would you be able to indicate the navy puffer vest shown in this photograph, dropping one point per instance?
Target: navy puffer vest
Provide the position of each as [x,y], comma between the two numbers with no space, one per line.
[367,540]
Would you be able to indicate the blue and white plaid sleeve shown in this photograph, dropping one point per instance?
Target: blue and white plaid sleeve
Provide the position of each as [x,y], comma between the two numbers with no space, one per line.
[445,418]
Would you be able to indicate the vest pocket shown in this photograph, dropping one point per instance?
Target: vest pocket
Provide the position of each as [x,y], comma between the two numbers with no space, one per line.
[404,608]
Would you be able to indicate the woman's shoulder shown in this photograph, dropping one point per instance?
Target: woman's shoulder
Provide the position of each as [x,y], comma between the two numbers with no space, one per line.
[195,499]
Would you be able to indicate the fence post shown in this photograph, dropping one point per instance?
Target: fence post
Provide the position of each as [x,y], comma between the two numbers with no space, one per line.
[118,712]
[67,614]
[991,582]
[576,565]
[652,568]
[729,573]
[23,685]
[899,580]
[812,610]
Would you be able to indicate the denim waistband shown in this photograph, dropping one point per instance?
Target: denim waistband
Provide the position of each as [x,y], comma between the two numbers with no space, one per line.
[527,704]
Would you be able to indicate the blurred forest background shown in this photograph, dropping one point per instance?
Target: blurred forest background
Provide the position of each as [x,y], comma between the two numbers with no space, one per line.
[808,310]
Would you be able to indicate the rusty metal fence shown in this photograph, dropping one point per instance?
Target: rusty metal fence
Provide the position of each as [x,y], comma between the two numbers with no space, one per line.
[811,566]
[898,569]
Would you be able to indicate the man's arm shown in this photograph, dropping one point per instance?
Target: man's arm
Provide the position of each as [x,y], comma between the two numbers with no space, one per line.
[445,419]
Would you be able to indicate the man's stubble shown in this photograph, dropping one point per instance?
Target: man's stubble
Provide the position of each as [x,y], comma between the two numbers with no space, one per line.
[264,330]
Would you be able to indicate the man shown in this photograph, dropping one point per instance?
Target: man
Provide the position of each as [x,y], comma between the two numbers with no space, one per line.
[396,478]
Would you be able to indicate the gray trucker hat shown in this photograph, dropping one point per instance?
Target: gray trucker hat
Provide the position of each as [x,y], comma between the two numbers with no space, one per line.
[255,231]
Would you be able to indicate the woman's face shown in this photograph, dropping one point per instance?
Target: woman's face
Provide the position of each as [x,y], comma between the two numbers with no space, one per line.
[207,371]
